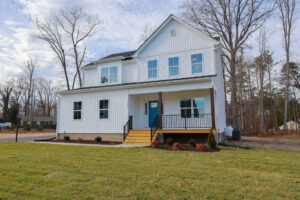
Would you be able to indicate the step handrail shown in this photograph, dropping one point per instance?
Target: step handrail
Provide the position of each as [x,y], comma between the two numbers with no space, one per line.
[127,127]
[154,127]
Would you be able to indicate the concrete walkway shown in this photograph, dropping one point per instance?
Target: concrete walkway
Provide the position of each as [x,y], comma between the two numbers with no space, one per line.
[95,145]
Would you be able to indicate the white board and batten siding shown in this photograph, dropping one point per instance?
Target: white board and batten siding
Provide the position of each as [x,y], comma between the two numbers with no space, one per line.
[185,43]
[90,121]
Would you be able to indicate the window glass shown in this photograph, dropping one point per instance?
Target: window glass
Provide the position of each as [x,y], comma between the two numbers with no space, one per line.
[103,106]
[196,63]
[192,107]
[185,107]
[198,106]
[104,75]
[109,74]
[173,66]
[152,68]
[77,110]
[113,74]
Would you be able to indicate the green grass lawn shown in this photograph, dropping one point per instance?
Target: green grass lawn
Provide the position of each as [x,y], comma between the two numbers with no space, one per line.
[45,171]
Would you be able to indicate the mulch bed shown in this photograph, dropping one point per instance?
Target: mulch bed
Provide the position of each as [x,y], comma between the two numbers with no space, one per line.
[183,147]
[86,142]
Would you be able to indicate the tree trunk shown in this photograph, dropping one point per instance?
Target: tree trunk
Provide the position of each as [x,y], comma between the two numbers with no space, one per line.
[233,93]
[286,91]
[261,99]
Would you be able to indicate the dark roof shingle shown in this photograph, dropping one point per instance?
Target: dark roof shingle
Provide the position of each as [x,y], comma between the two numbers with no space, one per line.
[123,54]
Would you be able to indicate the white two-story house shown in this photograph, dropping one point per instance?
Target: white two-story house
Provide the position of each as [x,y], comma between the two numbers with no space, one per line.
[172,84]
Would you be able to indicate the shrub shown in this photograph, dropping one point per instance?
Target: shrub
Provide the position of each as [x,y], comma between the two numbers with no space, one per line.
[98,139]
[154,143]
[27,127]
[66,137]
[169,141]
[192,142]
[211,142]
[175,145]
[199,146]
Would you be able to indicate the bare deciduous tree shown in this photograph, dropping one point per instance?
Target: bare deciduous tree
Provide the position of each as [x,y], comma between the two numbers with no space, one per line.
[286,10]
[50,32]
[5,92]
[233,21]
[261,67]
[148,30]
[65,29]
[78,27]
[46,92]
[30,66]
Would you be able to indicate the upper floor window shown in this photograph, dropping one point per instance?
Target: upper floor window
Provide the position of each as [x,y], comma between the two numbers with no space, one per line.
[77,110]
[173,66]
[109,74]
[196,63]
[152,68]
[103,107]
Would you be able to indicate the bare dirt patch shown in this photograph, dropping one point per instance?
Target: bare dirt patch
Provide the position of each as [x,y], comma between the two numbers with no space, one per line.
[276,143]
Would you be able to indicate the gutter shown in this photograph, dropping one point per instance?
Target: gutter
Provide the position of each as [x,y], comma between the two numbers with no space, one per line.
[136,85]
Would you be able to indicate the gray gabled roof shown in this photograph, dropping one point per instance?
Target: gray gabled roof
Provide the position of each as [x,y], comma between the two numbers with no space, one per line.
[123,55]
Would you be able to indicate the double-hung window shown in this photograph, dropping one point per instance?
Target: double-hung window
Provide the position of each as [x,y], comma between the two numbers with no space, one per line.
[103,107]
[77,110]
[198,106]
[185,107]
[197,63]
[152,68]
[173,66]
[192,107]
[109,74]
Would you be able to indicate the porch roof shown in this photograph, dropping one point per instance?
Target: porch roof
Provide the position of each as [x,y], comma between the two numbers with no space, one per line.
[135,84]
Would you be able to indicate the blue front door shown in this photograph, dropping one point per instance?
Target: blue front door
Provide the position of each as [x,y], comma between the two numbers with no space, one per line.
[153,111]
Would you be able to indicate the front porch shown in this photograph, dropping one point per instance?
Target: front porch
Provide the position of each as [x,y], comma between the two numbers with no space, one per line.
[162,113]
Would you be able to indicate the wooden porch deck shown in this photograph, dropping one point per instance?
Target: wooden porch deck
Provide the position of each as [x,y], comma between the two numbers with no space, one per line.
[184,131]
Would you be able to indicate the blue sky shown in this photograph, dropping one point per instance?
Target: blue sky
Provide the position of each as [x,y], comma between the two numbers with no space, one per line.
[123,22]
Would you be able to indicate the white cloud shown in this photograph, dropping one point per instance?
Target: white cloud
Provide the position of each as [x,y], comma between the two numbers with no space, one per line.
[122,23]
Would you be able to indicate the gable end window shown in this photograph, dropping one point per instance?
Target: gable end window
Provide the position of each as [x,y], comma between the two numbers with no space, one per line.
[103,109]
[197,63]
[109,74]
[173,66]
[152,68]
[77,110]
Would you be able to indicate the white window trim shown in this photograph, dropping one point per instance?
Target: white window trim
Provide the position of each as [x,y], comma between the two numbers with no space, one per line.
[192,106]
[157,74]
[108,104]
[81,114]
[108,82]
[179,74]
[191,67]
